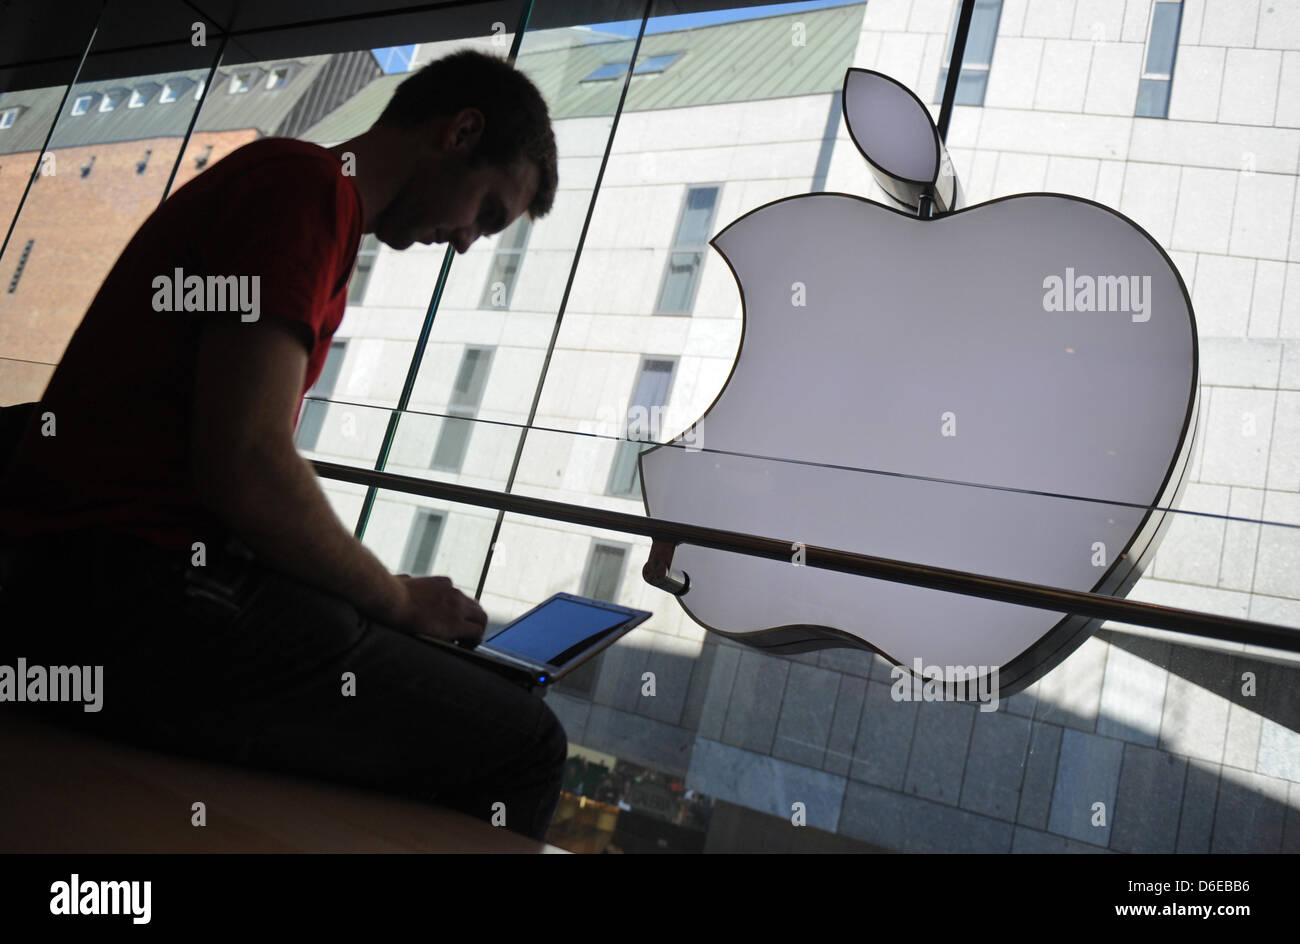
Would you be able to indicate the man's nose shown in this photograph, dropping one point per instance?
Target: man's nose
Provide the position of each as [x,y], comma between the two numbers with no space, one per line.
[462,239]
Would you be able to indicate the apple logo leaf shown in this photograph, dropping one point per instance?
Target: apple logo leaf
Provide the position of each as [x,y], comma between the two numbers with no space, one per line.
[1007,389]
[894,132]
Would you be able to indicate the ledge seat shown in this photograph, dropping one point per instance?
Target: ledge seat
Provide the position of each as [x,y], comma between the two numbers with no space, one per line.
[64,791]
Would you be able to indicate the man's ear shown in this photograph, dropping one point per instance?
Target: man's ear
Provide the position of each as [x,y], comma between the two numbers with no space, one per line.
[465,129]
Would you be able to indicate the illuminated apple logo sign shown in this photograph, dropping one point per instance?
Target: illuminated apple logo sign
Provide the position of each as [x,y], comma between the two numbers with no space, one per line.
[1019,378]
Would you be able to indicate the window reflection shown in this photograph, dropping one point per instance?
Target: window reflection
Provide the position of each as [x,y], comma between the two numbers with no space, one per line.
[978,57]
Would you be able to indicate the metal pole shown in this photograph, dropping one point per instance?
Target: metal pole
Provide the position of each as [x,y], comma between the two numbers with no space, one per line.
[556,325]
[954,67]
[1095,605]
[49,133]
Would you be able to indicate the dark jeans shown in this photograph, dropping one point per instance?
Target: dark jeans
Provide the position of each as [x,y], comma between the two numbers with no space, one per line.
[259,674]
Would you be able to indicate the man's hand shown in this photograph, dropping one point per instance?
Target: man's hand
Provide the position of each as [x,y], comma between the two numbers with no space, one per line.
[435,608]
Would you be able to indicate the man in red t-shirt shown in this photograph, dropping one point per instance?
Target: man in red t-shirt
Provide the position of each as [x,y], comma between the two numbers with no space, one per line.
[161,458]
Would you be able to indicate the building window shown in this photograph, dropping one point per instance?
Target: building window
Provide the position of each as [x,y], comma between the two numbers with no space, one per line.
[643,418]
[604,572]
[138,98]
[360,278]
[112,98]
[600,581]
[466,395]
[509,256]
[612,70]
[241,82]
[682,276]
[422,543]
[1158,71]
[198,91]
[394,58]
[313,411]
[172,89]
[7,117]
[81,104]
[277,78]
[975,62]
[656,64]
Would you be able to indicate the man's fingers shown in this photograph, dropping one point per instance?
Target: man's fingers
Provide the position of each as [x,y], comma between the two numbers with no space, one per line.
[476,618]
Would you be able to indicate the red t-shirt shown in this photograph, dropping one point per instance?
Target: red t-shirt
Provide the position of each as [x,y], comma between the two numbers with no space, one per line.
[122,396]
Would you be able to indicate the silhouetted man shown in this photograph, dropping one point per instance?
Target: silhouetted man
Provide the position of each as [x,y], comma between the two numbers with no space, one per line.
[168,528]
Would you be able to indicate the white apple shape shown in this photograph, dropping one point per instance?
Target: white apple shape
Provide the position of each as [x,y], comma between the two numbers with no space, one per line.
[935,391]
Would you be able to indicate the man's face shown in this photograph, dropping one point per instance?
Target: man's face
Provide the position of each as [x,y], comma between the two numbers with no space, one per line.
[445,200]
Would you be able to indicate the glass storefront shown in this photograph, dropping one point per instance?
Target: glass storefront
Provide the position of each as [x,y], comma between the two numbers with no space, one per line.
[546,358]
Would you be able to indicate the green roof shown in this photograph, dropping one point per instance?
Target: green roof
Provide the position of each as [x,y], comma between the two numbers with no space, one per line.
[726,62]
[356,114]
[260,108]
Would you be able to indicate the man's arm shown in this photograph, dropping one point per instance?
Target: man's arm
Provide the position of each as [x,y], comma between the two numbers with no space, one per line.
[245,469]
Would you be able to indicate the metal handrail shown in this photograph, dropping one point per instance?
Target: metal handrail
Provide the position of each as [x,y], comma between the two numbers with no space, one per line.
[1099,606]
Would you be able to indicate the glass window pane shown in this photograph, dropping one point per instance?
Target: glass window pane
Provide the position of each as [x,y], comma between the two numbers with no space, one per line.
[608,71]
[502,275]
[624,478]
[312,419]
[655,64]
[453,440]
[88,196]
[1153,98]
[643,419]
[631,250]
[699,214]
[516,235]
[466,395]
[970,87]
[501,280]
[519,318]
[980,38]
[471,378]
[604,572]
[1164,38]
[652,385]
[983,32]
[679,285]
[425,530]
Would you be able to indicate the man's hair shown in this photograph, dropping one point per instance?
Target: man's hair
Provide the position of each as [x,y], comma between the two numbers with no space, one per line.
[516,121]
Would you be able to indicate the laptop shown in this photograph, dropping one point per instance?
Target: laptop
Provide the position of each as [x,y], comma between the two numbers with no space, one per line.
[550,640]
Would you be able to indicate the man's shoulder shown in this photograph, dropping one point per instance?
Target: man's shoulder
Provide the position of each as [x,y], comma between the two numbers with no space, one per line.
[264,176]
[304,155]
[269,165]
